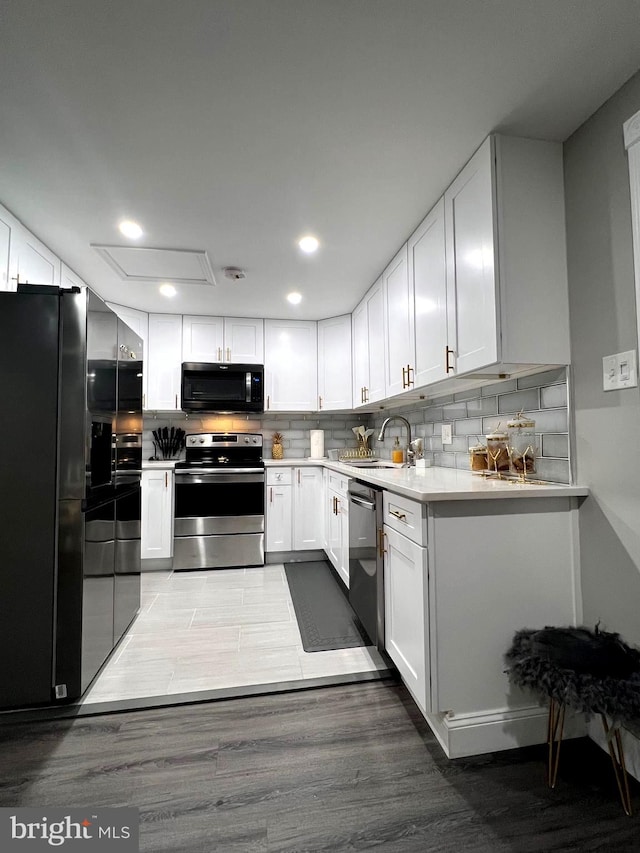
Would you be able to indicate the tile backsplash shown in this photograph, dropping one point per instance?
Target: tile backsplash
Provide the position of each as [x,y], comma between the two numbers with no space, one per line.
[294,426]
[472,414]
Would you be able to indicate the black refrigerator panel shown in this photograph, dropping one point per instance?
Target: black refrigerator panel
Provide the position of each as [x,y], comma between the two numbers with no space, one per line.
[98,589]
[127,560]
[29,328]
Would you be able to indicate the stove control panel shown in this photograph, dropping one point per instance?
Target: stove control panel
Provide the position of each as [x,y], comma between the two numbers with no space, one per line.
[223,439]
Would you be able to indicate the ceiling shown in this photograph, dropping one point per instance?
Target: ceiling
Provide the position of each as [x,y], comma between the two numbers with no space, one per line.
[237,126]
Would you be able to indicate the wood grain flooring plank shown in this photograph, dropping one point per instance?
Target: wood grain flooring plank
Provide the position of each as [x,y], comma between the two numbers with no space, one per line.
[347,768]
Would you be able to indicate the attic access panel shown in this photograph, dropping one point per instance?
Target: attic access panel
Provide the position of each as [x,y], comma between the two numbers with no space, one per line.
[140,263]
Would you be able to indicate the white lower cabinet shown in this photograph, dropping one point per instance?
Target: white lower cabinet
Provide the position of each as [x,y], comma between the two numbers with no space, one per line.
[278,510]
[406,615]
[336,521]
[157,513]
[293,509]
[461,577]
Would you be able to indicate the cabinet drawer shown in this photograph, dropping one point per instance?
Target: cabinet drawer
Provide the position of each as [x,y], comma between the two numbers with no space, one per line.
[406,516]
[279,476]
[339,482]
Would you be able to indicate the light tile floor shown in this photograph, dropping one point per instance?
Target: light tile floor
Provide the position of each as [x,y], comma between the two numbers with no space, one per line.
[214,629]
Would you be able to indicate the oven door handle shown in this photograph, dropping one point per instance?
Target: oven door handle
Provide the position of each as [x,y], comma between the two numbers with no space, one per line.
[240,475]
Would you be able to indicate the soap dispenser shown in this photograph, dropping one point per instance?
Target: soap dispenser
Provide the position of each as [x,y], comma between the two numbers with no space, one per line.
[397,454]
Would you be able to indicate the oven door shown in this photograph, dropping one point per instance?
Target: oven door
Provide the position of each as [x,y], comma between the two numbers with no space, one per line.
[219,519]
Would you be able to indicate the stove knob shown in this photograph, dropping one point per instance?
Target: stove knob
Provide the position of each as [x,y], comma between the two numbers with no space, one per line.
[255,440]
[246,441]
[202,441]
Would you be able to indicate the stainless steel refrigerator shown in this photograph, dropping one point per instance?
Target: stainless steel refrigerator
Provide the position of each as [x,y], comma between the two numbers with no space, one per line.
[71,433]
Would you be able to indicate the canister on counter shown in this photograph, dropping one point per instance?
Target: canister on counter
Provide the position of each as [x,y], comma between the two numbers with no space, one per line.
[522,444]
[497,453]
[478,460]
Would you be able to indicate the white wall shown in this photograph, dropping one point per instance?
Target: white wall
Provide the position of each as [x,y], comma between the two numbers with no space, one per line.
[603,321]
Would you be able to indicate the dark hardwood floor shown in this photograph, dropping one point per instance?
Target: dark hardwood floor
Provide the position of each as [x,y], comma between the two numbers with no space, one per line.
[334,769]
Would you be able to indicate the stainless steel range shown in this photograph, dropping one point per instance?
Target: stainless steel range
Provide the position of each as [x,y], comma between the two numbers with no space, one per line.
[219,502]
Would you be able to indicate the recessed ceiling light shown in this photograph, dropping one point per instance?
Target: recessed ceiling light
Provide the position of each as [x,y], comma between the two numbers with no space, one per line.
[167,290]
[130,229]
[294,298]
[308,244]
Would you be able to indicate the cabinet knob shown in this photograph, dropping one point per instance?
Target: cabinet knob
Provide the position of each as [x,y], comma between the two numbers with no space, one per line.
[319,402]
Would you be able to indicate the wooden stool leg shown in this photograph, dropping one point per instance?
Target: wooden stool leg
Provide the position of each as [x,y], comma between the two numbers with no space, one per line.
[617,759]
[555,726]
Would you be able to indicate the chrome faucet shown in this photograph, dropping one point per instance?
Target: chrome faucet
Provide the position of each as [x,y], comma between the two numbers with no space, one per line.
[410,451]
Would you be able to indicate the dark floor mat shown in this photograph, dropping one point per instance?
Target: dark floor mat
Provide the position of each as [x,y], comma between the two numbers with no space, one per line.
[325,618]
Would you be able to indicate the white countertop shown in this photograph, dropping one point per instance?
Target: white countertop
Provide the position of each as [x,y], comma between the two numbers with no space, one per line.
[168,464]
[440,484]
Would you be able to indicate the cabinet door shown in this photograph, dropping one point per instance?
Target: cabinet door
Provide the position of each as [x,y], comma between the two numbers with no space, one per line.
[290,361]
[31,260]
[202,339]
[406,612]
[334,363]
[278,519]
[398,302]
[137,321]
[157,513]
[360,328]
[333,530]
[165,360]
[471,279]
[428,274]
[6,225]
[343,550]
[307,509]
[377,344]
[243,340]
[69,279]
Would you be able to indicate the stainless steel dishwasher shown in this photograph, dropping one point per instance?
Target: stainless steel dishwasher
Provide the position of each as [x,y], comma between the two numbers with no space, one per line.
[366,578]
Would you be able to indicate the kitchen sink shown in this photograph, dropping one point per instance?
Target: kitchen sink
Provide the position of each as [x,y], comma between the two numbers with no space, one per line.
[357,463]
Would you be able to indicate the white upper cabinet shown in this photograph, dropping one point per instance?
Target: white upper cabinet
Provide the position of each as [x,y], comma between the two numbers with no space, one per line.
[427,275]
[139,322]
[334,363]
[165,362]
[30,261]
[399,325]
[5,243]
[369,347]
[202,338]
[243,340]
[291,365]
[69,279]
[507,294]
[469,204]
[217,339]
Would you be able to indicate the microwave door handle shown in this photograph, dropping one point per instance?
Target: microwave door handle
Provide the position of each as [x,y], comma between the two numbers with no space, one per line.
[247,383]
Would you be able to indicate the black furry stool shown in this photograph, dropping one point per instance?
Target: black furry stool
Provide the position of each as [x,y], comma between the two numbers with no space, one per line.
[594,672]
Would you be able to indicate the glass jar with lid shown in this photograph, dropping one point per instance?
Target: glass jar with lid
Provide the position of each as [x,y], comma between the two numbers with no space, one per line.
[497,452]
[478,457]
[522,444]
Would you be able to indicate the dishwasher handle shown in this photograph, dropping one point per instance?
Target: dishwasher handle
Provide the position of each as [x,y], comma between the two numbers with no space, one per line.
[363,502]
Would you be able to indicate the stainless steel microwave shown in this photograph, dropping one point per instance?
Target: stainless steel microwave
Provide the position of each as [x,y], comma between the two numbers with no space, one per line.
[211,387]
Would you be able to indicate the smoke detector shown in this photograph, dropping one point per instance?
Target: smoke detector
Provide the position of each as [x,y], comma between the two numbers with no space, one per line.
[234,273]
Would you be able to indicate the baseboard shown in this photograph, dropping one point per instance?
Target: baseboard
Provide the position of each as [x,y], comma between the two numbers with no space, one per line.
[492,731]
[294,556]
[156,564]
[630,743]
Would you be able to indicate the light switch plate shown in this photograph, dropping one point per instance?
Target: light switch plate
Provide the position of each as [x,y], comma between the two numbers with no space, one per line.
[447,435]
[620,371]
